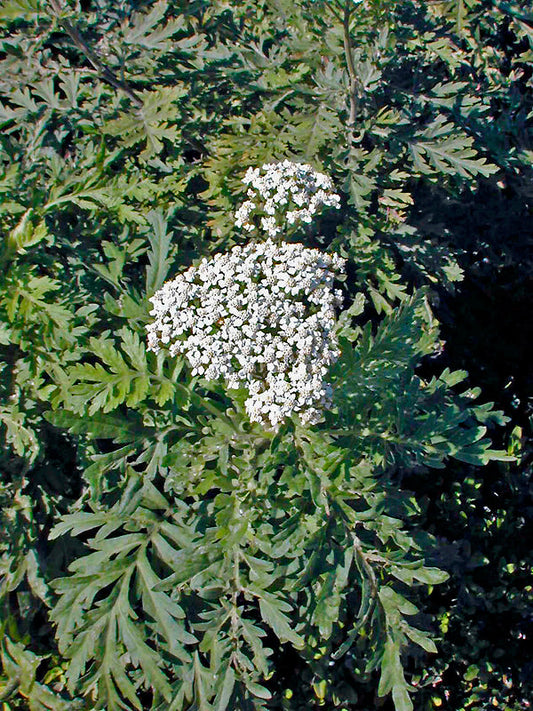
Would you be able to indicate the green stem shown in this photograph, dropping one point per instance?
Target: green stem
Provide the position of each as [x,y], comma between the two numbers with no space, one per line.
[354,81]
[105,72]
[203,402]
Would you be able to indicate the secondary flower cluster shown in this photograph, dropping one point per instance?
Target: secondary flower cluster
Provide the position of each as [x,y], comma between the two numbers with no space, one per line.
[288,191]
[261,317]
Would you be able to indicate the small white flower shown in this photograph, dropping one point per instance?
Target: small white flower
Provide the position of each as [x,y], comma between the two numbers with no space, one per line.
[270,226]
[296,190]
[260,317]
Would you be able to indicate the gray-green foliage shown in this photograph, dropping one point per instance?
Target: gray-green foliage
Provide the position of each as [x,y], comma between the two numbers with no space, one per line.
[190,553]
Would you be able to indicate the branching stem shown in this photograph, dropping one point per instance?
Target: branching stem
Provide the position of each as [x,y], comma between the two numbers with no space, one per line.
[348,51]
[105,72]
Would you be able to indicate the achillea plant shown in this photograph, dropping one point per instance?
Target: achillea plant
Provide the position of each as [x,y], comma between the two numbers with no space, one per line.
[167,554]
[245,506]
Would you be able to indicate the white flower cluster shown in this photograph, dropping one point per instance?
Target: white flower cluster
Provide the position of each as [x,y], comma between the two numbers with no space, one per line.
[284,191]
[261,317]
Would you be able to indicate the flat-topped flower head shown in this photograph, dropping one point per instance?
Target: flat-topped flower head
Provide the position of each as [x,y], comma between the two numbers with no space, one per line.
[260,317]
[281,194]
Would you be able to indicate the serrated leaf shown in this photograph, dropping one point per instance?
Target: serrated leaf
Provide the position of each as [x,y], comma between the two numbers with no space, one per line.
[163,609]
[224,697]
[159,262]
[273,615]
[420,638]
[443,149]
[100,425]
[392,676]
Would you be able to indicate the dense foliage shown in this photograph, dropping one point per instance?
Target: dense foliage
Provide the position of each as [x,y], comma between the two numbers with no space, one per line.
[159,551]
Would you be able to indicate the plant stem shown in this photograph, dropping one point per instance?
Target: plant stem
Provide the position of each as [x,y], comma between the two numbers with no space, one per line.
[348,51]
[105,72]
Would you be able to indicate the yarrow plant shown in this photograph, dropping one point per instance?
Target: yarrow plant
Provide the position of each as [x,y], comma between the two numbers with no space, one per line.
[261,317]
[159,550]
[282,194]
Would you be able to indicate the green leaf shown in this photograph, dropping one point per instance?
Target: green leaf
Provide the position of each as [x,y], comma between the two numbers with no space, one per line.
[442,149]
[420,638]
[16,9]
[224,697]
[257,690]
[202,684]
[401,699]
[17,435]
[25,234]
[159,261]
[272,612]
[141,654]
[164,610]
[101,426]
[146,29]
[430,576]
[152,124]
[392,677]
